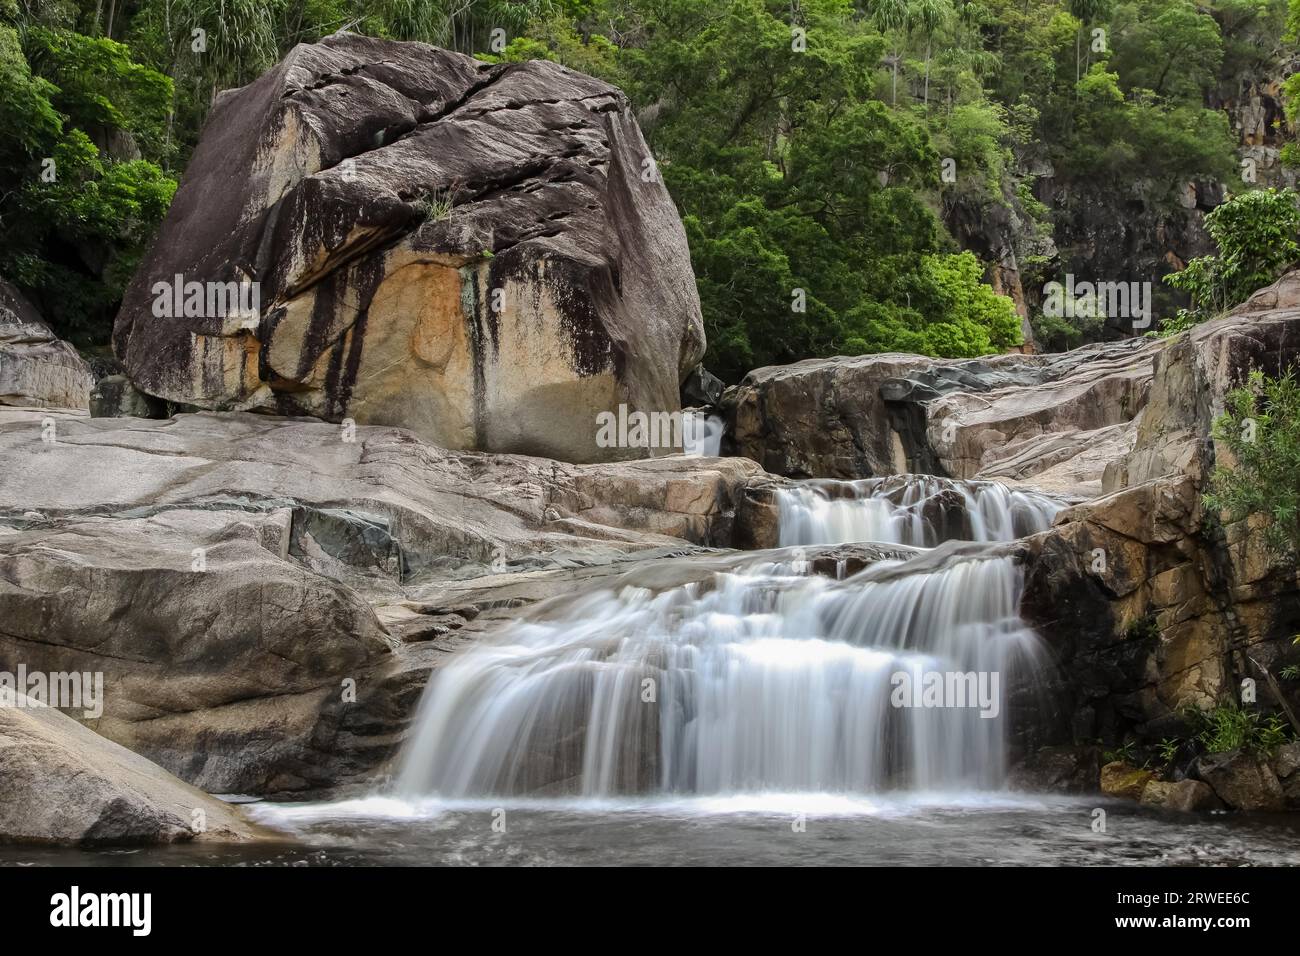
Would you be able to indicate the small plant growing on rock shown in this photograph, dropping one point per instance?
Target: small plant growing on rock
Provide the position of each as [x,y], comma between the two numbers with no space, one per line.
[1181,322]
[1228,728]
[1260,426]
[1143,629]
[1125,752]
[435,206]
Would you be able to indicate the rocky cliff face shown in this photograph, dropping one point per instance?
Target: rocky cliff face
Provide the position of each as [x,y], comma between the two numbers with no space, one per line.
[482,254]
[1166,608]
[1255,109]
[1125,232]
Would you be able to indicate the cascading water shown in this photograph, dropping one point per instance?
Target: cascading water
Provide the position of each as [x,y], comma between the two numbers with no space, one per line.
[760,676]
[919,510]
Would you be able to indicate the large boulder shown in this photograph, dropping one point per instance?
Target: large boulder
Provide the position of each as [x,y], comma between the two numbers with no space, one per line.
[484,254]
[223,661]
[1189,796]
[63,783]
[36,367]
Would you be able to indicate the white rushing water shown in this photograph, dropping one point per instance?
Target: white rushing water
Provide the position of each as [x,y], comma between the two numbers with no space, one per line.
[702,434]
[759,676]
[762,678]
[919,510]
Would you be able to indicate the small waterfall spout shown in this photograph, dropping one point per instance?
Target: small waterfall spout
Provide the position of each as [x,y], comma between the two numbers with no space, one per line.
[702,434]
[918,510]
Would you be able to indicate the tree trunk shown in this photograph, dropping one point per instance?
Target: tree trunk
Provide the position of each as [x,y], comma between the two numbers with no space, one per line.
[927,76]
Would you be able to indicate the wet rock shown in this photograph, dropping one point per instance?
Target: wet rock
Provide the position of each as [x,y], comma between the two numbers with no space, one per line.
[326,537]
[62,783]
[115,397]
[1242,781]
[1190,796]
[483,254]
[1062,769]
[1286,762]
[1119,779]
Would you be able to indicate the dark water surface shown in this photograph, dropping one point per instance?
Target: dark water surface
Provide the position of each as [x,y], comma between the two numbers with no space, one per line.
[793,829]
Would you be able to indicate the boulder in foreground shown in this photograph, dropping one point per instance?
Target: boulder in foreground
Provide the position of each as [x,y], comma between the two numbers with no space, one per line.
[63,783]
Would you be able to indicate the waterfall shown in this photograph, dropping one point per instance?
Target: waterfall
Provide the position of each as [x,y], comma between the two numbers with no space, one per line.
[761,678]
[758,675]
[919,510]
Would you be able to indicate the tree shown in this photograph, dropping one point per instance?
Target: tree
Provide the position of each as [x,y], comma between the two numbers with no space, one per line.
[929,16]
[1166,46]
[890,16]
[1260,427]
[74,219]
[1086,12]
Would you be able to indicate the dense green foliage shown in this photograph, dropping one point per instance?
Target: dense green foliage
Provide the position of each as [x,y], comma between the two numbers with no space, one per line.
[1258,235]
[63,95]
[1260,426]
[815,150]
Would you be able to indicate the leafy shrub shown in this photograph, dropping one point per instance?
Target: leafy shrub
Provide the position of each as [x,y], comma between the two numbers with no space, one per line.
[1181,322]
[1260,427]
[1256,233]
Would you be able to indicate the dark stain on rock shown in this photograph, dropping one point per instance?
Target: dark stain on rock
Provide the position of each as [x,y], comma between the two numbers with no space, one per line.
[475,319]
[521,153]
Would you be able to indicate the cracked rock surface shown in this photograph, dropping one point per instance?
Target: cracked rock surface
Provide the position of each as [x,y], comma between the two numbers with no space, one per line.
[481,253]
